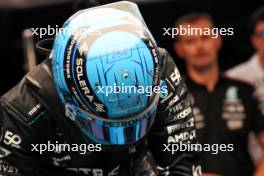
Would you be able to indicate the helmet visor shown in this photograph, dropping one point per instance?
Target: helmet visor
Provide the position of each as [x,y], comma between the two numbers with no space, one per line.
[116,131]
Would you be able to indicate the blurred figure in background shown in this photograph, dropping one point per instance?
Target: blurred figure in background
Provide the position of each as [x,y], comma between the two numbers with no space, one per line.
[252,71]
[225,110]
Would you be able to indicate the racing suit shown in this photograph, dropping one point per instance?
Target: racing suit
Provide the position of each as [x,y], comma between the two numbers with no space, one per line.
[224,118]
[251,72]
[31,114]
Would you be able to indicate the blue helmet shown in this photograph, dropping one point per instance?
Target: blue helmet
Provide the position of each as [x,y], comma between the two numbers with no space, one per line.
[105,67]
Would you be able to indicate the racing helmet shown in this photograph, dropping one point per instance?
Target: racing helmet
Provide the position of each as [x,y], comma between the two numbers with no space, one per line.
[105,67]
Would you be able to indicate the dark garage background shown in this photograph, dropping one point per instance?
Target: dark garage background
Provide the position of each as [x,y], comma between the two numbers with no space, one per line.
[158,14]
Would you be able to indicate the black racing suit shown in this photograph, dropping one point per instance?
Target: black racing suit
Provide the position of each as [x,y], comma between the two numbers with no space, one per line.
[31,114]
[224,118]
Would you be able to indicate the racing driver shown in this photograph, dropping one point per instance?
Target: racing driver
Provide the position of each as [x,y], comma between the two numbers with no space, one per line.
[79,95]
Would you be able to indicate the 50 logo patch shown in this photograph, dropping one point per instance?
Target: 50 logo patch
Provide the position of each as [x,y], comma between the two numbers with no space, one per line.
[12,139]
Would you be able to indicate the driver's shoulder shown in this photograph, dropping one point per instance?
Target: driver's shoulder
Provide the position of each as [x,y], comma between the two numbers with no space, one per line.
[21,103]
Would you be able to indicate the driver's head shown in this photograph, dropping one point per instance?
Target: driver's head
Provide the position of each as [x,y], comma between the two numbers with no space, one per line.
[197,47]
[257,31]
[104,63]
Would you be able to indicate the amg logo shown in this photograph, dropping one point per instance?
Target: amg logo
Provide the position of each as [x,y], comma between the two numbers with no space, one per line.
[185,136]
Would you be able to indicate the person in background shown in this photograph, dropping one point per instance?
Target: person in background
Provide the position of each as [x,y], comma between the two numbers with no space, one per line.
[252,71]
[225,110]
